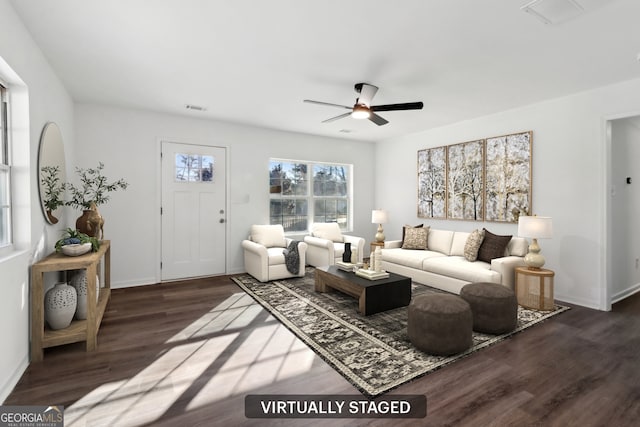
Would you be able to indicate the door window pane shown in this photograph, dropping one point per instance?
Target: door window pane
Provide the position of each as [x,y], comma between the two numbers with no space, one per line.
[194,168]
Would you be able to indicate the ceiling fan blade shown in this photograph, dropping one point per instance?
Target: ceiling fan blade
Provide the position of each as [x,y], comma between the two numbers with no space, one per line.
[327,103]
[332,119]
[377,119]
[398,107]
[367,92]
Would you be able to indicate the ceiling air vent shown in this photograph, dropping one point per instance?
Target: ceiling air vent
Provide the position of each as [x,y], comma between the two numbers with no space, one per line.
[553,11]
[195,107]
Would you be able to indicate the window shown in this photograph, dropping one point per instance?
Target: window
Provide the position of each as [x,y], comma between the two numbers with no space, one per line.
[306,192]
[194,168]
[5,172]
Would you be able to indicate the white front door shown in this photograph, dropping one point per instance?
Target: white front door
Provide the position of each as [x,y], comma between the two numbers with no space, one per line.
[193,211]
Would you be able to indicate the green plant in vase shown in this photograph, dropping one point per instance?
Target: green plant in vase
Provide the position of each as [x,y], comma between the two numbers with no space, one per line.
[92,192]
[53,190]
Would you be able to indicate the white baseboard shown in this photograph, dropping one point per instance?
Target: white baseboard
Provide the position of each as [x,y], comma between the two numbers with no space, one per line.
[11,382]
[577,301]
[619,296]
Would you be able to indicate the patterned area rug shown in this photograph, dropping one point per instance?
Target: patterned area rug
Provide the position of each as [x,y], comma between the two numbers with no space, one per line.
[372,352]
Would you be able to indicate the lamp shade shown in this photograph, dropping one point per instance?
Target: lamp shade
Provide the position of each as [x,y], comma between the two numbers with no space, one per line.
[535,227]
[379,217]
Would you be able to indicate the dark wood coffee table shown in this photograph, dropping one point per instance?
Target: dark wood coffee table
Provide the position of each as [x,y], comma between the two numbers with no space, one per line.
[373,296]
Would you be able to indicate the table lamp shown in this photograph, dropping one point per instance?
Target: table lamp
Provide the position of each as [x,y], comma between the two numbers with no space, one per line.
[535,227]
[379,217]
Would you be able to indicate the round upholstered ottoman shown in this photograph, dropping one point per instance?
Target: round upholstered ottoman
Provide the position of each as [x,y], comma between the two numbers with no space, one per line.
[494,307]
[440,324]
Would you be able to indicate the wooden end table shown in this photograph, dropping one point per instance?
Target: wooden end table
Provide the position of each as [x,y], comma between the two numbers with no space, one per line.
[534,288]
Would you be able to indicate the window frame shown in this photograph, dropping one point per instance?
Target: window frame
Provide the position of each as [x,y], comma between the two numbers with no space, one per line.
[309,197]
[5,168]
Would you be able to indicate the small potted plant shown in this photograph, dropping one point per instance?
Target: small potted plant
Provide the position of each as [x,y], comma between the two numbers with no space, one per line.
[92,192]
[74,243]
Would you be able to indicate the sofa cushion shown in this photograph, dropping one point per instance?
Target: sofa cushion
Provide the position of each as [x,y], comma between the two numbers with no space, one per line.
[459,240]
[459,268]
[327,230]
[415,238]
[518,246]
[472,245]
[276,256]
[493,246]
[409,257]
[269,235]
[404,229]
[440,241]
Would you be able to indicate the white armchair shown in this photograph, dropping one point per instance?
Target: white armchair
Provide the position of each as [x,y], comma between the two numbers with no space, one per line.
[264,256]
[326,244]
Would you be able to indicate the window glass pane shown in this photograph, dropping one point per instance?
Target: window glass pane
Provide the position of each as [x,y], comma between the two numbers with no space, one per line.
[329,180]
[5,208]
[291,213]
[207,168]
[288,179]
[331,210]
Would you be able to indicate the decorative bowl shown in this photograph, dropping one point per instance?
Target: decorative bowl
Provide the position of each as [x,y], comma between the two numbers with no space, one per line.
[76,249]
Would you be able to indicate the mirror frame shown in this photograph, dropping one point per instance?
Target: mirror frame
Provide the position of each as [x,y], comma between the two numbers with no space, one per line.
[51,153]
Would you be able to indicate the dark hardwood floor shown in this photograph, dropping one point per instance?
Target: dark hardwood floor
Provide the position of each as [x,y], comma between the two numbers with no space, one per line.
[187,353]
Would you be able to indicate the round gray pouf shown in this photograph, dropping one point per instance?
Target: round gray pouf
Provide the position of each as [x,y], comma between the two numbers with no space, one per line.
[494,307]
[440,324]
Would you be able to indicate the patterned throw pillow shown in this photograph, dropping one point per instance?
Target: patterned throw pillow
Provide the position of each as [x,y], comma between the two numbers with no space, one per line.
[492,246]
[404,231]
[472,245]
[415,238]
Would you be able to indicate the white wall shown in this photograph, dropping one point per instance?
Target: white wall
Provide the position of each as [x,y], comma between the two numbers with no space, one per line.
[127,141]
[570,158]
[625,208]
[26,69]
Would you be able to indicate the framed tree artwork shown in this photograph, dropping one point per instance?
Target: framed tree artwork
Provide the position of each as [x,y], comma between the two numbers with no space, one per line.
[508,177]
[432,200]
[465,181]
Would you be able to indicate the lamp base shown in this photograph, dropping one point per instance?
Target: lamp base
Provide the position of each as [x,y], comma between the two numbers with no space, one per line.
[380,234]
[534,260]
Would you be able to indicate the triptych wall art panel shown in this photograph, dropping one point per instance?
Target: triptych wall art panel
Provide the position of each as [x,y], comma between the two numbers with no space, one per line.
[488,179]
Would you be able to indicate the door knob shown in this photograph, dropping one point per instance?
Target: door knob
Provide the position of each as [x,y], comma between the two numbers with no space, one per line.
[221,220]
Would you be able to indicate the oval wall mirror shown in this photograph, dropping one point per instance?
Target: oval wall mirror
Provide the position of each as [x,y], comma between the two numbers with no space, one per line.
[51,173]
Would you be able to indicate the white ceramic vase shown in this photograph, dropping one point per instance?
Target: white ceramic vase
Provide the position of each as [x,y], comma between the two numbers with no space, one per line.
[60,305]
[79,281]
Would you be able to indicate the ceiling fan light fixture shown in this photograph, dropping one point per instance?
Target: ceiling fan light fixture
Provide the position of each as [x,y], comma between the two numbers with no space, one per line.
[360,112]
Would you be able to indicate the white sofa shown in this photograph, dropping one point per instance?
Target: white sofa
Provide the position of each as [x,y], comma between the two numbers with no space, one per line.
[325,245]
[444,266]
[264,253]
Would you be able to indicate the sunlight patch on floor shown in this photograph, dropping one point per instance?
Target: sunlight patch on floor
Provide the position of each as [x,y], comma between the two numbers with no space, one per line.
[268,354]
[236,311]
[281,356]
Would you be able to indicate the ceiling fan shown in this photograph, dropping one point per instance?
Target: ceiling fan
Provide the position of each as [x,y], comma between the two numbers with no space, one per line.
[363,109]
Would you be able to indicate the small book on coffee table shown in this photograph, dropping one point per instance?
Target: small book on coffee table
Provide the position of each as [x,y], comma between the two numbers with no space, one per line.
[371,274]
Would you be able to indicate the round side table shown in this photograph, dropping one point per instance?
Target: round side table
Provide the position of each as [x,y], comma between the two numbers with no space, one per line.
[534,288]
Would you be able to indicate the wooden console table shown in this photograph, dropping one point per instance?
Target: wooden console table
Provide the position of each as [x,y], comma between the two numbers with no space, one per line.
[79,330]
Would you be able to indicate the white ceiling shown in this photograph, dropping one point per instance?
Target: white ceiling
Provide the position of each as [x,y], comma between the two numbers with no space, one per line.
[254,61]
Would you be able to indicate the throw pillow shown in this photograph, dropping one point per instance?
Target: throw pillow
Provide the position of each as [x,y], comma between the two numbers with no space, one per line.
[415,238]
[270,236]
[492,246]
[327,230]
[408,226]
[473,245]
